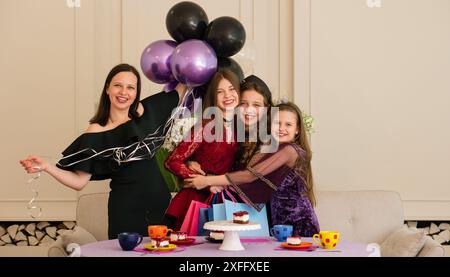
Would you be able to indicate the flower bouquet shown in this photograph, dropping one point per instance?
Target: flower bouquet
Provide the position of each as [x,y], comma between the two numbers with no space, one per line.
[174,136]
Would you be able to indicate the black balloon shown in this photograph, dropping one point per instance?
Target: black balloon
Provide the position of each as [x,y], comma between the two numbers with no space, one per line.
[226,35]
[232,65]
[186,20]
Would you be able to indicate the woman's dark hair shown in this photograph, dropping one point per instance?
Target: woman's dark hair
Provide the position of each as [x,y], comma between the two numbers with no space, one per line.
[210,99]
[102,115]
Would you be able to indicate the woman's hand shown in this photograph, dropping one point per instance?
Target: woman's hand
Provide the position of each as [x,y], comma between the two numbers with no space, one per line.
[196,181]
[181,89]
[195,167]
[216,189]
[34,164]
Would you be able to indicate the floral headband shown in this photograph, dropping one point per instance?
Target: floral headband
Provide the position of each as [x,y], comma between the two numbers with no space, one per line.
[308,120]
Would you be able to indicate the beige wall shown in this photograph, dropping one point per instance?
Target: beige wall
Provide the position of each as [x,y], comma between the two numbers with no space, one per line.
[374,79]
[54,62]
[376,82]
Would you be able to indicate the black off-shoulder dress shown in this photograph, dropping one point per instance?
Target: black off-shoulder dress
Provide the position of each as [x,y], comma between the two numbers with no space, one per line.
[139,196]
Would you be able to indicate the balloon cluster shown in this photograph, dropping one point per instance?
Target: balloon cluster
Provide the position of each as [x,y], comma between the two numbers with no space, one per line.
[198,50]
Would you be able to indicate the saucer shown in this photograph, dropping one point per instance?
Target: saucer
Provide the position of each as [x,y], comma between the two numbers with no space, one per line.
[301,246]
[183,242]
[149,246]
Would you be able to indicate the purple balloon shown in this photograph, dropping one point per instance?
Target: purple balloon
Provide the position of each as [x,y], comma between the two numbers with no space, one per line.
[194,62]
[155,61]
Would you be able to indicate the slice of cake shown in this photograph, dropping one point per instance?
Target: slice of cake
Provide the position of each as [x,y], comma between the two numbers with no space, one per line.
[176,236]
[294,240]
[216,235]
[241,217]
[160,242]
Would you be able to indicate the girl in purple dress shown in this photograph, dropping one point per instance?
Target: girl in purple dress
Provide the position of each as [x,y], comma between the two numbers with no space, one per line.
[283,177]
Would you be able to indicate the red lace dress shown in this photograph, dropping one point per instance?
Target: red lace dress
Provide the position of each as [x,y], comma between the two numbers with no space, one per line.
[215,158]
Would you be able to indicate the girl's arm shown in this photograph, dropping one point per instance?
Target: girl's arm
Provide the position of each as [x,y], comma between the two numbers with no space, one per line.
[285,156]
[176,161]
[75,180]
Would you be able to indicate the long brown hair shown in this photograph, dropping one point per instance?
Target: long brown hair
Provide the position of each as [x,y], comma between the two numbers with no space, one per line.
[303,164]
[102,115]
[248,149]
[210,98]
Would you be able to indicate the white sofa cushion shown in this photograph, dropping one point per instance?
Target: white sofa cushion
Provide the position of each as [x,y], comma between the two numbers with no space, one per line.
[360,216]
[404,242]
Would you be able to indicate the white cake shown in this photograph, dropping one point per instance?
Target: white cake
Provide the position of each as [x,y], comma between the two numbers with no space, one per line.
[294,240]
[216,235]
[182,236]
[176,236]
[241,217]
[160,242]
[173,236]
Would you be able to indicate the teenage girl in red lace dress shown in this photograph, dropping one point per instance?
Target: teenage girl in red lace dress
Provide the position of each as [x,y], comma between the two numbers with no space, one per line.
[216,155]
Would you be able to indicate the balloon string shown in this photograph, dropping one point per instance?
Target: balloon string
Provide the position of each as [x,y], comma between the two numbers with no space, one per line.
[35,211]
[148,145]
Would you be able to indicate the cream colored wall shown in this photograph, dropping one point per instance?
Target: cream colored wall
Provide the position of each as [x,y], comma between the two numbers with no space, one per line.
[54,62]
[268,25]
[376,82]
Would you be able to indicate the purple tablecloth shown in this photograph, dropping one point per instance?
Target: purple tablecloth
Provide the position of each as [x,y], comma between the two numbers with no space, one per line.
[257,247]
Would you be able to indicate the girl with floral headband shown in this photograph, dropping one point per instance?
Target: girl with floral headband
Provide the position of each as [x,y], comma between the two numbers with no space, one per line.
[283,177]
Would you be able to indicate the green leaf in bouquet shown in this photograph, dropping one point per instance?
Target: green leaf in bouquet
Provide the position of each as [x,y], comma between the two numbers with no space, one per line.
[170,179]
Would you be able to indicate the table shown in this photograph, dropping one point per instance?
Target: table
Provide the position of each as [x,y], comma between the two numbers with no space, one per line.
[254,247]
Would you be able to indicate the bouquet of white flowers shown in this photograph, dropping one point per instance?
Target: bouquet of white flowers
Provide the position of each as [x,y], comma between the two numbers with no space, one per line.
[174,136]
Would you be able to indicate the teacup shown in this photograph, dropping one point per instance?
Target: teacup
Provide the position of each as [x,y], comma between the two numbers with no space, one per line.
[281,232]
[327,239]
[158,231]
[128,241]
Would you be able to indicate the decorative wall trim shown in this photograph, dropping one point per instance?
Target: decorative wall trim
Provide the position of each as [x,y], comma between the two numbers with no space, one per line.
[426,209]
[302,54]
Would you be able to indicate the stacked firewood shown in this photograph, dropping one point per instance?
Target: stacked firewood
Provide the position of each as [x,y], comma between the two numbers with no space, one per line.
[439,232]
[33,233]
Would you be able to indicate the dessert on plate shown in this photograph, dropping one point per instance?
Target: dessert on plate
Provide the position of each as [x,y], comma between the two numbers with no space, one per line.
[159,242]
[296,240]
[178,236]
[241,217]
[216,235]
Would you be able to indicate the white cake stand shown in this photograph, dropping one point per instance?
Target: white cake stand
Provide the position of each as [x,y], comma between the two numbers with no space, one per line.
[231,241]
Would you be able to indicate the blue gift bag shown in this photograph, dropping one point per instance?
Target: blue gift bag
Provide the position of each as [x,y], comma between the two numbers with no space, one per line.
[218,211]
[255,216]
[211,209]
[202,219]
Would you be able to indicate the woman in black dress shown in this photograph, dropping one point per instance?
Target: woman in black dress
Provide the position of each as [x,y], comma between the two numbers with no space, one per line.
[139,195]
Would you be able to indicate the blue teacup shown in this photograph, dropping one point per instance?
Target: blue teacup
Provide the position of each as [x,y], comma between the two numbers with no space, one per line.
[128,241]
[281,232]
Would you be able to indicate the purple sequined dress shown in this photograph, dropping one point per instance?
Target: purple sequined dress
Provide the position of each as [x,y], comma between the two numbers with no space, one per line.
[272,177]
[290,205]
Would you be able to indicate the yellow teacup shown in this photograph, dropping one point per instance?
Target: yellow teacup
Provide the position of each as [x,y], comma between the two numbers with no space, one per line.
[158,231]
[327,239]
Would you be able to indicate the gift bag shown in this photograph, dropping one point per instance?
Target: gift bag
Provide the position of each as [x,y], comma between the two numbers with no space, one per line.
[190,222]
[218,211]
[255,216]
[202,219]
[214,200]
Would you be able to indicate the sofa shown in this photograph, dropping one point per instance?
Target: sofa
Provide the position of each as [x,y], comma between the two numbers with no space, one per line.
[360,216]
[371,217]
